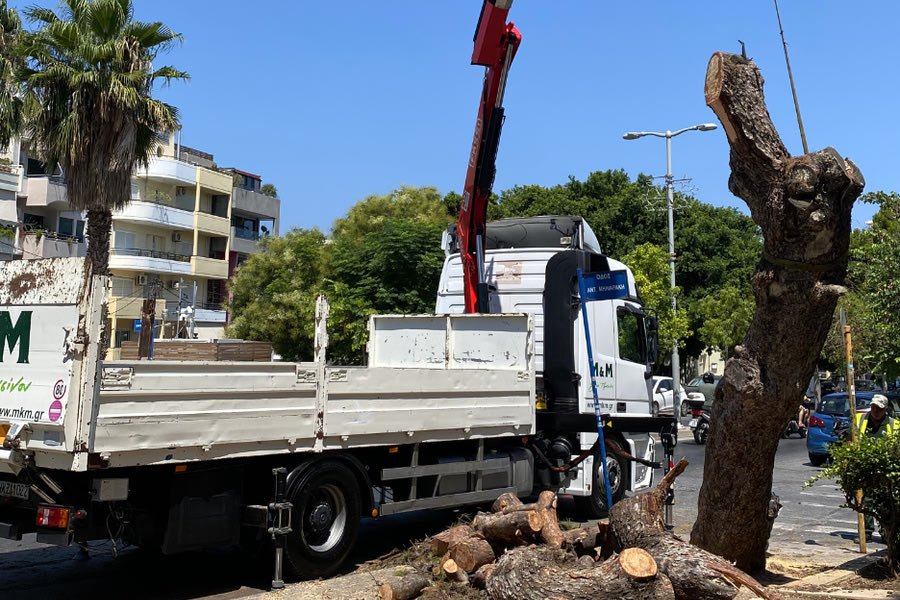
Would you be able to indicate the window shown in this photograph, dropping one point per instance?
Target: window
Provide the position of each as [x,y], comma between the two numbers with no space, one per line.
[665,386]
[122,287]
[125,240]
[631,337]
[79,231]
[66,227]
[33,222]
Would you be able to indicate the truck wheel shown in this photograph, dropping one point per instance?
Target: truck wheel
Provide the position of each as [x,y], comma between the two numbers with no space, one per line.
[594,506]
[325,519]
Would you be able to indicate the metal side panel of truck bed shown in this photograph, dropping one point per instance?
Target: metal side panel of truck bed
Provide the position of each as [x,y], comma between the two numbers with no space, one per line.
[429,378]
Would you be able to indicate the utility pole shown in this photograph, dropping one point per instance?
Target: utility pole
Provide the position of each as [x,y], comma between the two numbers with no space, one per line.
[148,314]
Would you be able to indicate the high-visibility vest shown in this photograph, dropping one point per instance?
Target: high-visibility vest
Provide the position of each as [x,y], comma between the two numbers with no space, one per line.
[887,426]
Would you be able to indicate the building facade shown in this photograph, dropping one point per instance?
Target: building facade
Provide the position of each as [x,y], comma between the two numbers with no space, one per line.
[188,225]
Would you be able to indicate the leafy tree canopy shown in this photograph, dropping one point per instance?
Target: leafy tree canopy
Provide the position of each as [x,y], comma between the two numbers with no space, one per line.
[269,190]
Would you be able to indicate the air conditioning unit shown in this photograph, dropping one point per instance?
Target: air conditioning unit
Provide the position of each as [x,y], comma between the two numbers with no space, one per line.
[176,237]
[173,284]
[140,280]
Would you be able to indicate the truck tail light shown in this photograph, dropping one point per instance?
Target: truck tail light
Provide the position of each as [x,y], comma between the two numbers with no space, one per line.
[815,421]
[52,516]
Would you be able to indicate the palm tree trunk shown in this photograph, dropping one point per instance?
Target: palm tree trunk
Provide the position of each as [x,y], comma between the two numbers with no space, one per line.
[99,228]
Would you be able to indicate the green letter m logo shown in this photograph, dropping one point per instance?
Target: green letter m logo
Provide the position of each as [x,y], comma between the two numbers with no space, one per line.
[19,334]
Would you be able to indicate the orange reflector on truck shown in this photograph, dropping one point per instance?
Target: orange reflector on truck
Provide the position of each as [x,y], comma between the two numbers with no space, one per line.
[52,516]
[4,429]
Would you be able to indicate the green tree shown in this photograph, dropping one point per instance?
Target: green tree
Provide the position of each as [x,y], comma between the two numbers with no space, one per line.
[650,265]
[422,205]
[269,190]
[88,105]
[874,299]
[273,293]
[725,316]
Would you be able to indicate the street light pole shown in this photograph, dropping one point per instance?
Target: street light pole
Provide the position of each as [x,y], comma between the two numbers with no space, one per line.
[670,201]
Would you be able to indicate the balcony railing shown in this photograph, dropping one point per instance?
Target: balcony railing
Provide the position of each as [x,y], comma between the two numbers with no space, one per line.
[247,234]
[151,254]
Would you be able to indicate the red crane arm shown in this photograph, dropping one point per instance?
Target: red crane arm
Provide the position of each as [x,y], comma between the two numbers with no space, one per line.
[496,42]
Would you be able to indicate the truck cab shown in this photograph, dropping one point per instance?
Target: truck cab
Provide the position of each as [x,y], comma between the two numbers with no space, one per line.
[530,266]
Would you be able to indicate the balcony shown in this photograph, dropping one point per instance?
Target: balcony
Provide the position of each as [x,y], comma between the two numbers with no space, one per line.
[153,261]
[11,178]
[244,241]
[213,180]
[212,268]
[254,203]
[46,191]
[169,170]
[212,225]
[156,213]
[48,244]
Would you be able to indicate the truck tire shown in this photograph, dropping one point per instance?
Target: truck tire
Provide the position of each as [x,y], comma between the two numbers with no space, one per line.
[325,519]
[594,506]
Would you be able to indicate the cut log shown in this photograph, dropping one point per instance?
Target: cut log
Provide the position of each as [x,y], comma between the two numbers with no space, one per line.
[550,531]
[541,572]
[505,500]
[453,572]
[695,573]
[519,527]
[402,588]
[594,541]
[472,553]
[443,541]
[481,576]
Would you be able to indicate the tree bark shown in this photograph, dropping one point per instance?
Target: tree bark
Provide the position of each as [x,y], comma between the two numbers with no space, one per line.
[541,573]
[695,573]
[802,205]
[481,576]
[402,588]
[518,527]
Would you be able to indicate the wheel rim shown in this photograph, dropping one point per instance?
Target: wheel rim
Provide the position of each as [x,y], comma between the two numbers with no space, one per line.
[324,518]
[704,431]
[615,474]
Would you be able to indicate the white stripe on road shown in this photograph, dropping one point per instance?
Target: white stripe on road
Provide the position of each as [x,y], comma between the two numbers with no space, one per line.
[821,495]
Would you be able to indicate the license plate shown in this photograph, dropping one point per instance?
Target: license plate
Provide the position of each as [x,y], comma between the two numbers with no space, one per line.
[15,490]
[693,423]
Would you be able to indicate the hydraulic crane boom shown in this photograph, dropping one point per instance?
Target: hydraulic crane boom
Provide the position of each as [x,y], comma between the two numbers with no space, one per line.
[496,42]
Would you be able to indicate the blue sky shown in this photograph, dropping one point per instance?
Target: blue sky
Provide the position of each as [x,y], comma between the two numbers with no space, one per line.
[333,101]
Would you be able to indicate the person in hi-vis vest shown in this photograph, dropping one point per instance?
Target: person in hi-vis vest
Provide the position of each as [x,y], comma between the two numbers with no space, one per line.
[875,423]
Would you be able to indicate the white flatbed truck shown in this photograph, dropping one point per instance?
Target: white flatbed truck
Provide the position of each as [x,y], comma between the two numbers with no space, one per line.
[451,410]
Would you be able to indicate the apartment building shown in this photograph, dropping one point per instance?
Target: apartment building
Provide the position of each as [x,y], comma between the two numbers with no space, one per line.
[174,245]
[36,220]
[170,245]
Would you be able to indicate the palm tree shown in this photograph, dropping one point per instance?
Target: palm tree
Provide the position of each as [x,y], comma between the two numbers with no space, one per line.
[88,105]
[10,61]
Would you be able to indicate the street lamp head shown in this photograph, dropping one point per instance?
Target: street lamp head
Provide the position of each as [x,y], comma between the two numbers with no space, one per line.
[707,126]
[631,135]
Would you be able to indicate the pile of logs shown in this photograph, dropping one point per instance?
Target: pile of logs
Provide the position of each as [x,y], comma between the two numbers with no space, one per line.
[519,552]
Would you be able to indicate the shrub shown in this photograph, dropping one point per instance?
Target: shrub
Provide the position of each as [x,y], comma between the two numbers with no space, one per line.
[871,465]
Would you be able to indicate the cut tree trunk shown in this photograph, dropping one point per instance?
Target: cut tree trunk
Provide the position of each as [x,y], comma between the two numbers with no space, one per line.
[453,572]
[402,588]
[695,573]
[443,541]
[542,572]
[472,553]
[481,576]
[802,206]
[585,541]
[517,527]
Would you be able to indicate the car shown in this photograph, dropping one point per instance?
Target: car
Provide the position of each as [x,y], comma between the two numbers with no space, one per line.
[834,407]
[663,398]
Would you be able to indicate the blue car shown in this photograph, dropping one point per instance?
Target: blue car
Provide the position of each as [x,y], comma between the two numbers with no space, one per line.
[836,407]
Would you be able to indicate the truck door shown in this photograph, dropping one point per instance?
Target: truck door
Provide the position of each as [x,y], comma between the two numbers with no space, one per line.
[631,362]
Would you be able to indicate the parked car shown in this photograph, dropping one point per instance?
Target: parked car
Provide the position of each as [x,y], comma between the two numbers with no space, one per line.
[664,399]
[835,407]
